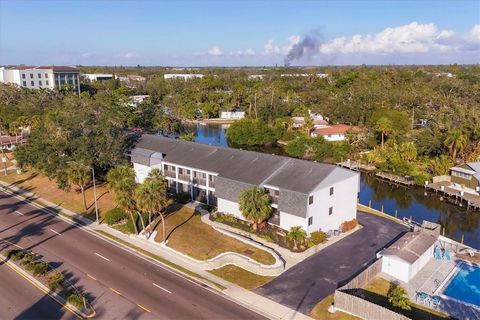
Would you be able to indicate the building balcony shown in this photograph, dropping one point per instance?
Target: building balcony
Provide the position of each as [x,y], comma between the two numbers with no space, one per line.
[201,182]
[170,174]
[184,177]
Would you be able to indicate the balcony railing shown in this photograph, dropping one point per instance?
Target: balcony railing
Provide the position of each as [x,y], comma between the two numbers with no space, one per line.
[170,174]
[184,177]
[211,183]
[201,182]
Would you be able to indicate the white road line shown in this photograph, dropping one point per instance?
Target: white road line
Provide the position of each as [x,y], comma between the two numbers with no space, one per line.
[56,232]
[102,257]
[19,213]
[156,285]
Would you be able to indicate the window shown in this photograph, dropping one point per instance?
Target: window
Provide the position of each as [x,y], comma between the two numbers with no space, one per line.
[331,191]
[40,83]
[46,75]
[310,200]
[39,76]
[24,83]
[23,75]
[330,211]
[310,221]
[32,83]
[46,83]
[180,171]
[31,75]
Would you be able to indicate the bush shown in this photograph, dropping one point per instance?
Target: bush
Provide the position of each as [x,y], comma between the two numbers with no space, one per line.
[318,237]
[348,225]
[55,281]
[16,254]
[183,197]
[38,268]
[28,258]
[129,225]
[76,300]
[115,215]
[397,296]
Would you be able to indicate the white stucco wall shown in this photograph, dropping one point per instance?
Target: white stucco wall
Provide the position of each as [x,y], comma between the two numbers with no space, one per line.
[289,220]
[396,268]
[141,171]
[421,261]
[343,201]
[334,137]
[229,207]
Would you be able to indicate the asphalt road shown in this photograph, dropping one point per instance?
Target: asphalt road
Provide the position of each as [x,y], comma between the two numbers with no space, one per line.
[20,300]
[119,283]
[307,283]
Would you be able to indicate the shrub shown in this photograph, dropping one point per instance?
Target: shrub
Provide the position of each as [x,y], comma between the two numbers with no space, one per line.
[129,225]
[28,258]
[397,296]
[318,237]
[182,197]
[115,215]
[348,225]
[16,254]
[76,300]
[267,237]
[310,244]
[55,281]
[38,268]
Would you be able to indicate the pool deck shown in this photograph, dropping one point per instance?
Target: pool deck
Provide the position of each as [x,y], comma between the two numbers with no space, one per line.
[433,277]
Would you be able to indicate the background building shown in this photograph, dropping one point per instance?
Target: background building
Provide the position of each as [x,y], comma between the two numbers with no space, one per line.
[97,76]
[43,77]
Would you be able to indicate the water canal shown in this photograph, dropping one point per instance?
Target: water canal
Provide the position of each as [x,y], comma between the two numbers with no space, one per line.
[395,200]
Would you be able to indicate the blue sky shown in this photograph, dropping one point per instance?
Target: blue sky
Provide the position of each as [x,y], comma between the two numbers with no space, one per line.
[236,33]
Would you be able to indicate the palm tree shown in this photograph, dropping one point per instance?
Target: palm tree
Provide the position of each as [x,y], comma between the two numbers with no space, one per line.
[385,127]
[79,174]
[296,234]
[456,142]
[151,196]
[255,205]
[122,182]
[308,124]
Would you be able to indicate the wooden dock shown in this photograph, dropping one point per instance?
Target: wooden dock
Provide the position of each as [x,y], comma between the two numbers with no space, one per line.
[445,189]
[395,179]
[356,165]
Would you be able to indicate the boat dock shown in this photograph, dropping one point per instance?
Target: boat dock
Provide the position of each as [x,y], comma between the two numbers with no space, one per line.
[356,165]
[447,189]
[395,179]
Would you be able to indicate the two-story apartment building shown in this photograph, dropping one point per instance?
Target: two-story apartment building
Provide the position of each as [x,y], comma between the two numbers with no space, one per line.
[467,174]
[312,195]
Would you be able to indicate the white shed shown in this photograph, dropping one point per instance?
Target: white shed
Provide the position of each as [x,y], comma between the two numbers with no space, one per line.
[408,255]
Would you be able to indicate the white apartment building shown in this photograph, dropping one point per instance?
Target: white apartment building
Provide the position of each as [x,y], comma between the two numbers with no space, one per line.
[43,77]
[314,196]
[98,76]
[183,76]
[232,114]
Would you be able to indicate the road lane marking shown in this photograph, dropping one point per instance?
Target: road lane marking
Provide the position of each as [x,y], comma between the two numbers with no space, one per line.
[91,277]
[156,285]
[56,232]
[116,291]
[140,306]
[19,212]
[102,257]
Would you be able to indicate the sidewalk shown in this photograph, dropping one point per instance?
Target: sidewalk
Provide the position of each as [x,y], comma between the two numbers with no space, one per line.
[251,300]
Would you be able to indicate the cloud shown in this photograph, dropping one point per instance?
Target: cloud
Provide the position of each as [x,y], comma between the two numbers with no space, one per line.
[215,51]
[270,48]
[127,55]
[246,52]
[410,38]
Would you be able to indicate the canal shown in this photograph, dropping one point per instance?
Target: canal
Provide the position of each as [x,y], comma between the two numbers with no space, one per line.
[395,200]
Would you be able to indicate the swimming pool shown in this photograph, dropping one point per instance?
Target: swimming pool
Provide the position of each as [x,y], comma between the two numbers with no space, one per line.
[465,285]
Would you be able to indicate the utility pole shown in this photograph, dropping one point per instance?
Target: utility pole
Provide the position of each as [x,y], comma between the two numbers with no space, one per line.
[95,193]
[413,116]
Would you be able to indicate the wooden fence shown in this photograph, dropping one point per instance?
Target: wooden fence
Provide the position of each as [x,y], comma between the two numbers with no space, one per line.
[362,279]
[363,308]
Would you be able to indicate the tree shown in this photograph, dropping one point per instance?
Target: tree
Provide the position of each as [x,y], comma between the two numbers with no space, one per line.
[151,196]
[308,125]
[122,181]
[398,298]
[255,205]
[408,151]
[296,234]
[441,165]
[384,126]
[456,142]
[79,174]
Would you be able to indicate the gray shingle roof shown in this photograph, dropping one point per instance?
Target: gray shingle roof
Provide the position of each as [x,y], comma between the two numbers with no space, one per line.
[411,246]
[239,169]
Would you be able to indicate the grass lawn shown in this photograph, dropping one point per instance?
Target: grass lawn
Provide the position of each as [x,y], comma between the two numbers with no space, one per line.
[240,276]
[188,234]
[40,185]
[379,287]
[320,311]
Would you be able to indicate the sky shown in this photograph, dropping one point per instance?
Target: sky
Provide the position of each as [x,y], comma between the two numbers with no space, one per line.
[239,33]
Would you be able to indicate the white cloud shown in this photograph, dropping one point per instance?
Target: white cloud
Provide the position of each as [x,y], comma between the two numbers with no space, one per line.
[410,38]
[475,33]
[215,51]
[127,55]
[270,48]
[246,52]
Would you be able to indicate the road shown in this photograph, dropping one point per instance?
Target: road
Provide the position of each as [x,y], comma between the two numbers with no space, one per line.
[310,281]
[119,283]
[20,300]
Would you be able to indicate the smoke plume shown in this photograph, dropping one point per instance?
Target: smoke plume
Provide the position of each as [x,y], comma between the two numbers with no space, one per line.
[304,48]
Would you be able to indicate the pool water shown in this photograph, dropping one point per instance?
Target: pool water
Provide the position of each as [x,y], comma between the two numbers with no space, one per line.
[465,285]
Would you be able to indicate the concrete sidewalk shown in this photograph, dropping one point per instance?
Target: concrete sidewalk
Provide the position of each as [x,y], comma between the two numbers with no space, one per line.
[246,298]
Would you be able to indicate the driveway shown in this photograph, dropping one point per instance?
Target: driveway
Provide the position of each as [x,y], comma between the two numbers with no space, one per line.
[305,284]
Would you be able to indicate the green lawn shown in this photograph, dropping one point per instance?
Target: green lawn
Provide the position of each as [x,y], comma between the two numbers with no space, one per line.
[188,234]
[241,277]
[320,311]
